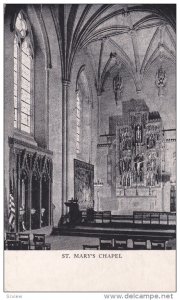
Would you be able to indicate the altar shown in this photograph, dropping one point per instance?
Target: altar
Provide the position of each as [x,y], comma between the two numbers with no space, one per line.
[136,158]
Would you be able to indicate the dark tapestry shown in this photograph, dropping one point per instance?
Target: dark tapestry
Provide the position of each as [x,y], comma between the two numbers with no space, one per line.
[84,184]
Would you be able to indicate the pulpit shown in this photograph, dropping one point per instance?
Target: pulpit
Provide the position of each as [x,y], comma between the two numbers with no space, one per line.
[74,212]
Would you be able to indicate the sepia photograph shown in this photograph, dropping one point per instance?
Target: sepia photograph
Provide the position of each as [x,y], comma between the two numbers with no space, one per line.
[90,130]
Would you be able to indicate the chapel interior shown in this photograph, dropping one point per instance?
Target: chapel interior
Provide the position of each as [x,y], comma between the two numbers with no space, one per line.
[90,125]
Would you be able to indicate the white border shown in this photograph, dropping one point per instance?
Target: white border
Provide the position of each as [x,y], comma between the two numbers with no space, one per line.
[65,296]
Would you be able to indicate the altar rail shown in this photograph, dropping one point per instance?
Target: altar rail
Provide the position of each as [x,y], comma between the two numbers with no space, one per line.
[102,216]
[144,217]
[138,217]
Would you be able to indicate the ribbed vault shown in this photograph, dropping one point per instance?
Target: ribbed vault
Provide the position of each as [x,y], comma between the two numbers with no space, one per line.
[137,34]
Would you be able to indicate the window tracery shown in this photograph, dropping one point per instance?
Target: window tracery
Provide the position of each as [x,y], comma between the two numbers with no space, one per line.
[23,68]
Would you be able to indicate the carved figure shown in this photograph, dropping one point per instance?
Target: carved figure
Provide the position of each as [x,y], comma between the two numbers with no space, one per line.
[117,87]
[139,168]
[138,134]
[161,80]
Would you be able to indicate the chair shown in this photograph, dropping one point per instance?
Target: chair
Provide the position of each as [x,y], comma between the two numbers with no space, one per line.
[98,217]
[106,216]
[139,244]
[137,217]
[120,243]
[84,216]
[90,247]
[13,245]
[24,238]
[106,244]
[39,241]
[11,236]
[158,244]
[47,246]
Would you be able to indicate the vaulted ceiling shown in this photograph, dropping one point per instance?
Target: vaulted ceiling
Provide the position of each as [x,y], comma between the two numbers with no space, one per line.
[114,35]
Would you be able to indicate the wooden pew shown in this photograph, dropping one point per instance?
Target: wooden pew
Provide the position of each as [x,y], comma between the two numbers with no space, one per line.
[106,244]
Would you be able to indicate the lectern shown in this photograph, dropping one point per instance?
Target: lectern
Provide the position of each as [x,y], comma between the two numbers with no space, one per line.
[74,212]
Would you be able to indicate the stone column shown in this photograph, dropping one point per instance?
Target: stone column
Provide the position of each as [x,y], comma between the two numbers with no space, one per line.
[98,117]
[30,199]
[162,196]
[65,91]
[49,204]
[17,192]
[47,109]
[40,198]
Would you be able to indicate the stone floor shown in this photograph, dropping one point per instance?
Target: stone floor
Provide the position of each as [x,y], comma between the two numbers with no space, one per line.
[73,242]
[76,243]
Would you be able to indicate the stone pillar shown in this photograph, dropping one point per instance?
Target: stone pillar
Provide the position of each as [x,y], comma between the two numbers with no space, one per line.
[166,202]
[162,196]
[47,109]
[65,90]
[18,185]
[99,115]
[49,204]
[29,199]
[40,199]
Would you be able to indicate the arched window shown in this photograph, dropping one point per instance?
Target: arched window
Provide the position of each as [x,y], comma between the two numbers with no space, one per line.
[83,113]
[78,121]
[23,68]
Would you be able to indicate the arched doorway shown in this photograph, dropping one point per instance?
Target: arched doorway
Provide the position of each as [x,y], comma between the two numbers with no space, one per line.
[24,219]
[45,204]
[35,201]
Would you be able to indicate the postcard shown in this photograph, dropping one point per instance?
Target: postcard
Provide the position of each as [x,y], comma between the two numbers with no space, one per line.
[89,147]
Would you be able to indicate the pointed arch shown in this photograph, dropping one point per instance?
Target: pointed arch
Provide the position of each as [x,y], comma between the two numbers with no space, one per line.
[23,74]
[83,98]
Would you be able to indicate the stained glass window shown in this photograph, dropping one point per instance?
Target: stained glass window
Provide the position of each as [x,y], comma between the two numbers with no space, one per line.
[22,76]
[78,122]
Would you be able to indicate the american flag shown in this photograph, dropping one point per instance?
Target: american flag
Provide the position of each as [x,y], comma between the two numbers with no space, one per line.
[12,210]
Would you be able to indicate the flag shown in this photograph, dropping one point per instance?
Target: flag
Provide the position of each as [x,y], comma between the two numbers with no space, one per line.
[12,210]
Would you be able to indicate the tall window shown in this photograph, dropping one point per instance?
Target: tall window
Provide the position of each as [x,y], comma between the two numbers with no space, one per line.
[78,122]
[22,76]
